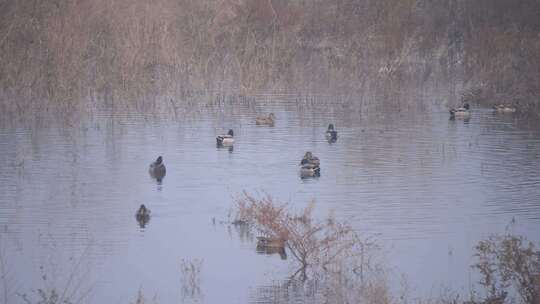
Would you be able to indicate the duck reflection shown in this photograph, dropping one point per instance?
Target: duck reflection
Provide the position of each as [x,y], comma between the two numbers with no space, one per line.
[229,148]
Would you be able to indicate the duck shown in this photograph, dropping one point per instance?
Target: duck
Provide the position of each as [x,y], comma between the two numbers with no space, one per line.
[267,245]
[157,168]
[263,241]
[143,215]
[266,120]
[310,159]
[310,170]
[504,108]
[460,112]
[225,139]
[143,211]
[331,133]
[310,166]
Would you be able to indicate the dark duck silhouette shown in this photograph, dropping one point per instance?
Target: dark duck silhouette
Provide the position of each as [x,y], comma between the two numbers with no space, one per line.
[463,112]
[143,216]
[225,139]
[157,169]
[331,134]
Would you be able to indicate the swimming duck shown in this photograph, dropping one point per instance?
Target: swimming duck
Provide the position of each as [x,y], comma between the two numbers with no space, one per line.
[157,169]
[225,139]
[310,166]
[503,108]
[266,120]
[331,134]
[310,159]
[143,211]
[460,112]
[270,242]
[143,215]
[310,170]
[267,245]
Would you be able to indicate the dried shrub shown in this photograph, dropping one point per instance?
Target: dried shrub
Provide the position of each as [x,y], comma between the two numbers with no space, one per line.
[328,245]
[509,264]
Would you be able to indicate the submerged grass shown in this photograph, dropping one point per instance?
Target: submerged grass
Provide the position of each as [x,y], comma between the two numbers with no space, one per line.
[335,262]
[333,265]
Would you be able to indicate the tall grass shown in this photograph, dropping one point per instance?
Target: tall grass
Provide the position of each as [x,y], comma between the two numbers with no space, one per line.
[132,53]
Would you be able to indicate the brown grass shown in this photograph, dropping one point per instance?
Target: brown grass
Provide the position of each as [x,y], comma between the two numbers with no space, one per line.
[328,245]
[132,53]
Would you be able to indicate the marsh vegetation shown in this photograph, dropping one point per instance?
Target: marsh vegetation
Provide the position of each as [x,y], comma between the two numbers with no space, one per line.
[156,56]
[92,91]
[331,255]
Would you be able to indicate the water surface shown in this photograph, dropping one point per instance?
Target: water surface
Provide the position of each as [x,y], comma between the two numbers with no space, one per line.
[426,187]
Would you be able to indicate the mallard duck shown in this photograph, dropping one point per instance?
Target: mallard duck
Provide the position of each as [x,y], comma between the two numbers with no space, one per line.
[331,134]
[310,170]
[143,215]
[310,159]
[460,112]
[225,139]
[266,120]
[266,245]
[502,108]
[310,165]
[157,168]
[143,211]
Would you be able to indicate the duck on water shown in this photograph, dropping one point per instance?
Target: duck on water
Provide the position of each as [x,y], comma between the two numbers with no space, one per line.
[504,108]
[331,134]
[463,111]
[310,165]
[268,245]
[225,139]
[266,120]
[143,215]
[157,169]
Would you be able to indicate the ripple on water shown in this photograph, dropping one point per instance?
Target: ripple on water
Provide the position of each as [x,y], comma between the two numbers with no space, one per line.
[419,183]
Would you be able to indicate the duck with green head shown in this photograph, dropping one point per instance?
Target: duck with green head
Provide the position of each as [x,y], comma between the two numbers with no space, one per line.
[310,165]
[310,159]
[331,133]
[463,111]
[157,169]
[225,139]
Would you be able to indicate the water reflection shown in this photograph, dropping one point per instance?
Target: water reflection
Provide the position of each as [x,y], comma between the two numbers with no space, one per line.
[229,148]
[465,119]
[391,175]
[191,281]
[287,291]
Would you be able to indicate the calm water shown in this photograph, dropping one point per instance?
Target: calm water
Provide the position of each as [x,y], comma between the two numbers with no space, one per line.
[425,187]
